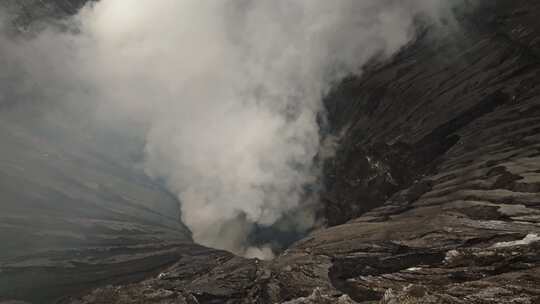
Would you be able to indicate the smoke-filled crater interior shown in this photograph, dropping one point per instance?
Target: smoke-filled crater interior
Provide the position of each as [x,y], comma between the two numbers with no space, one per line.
[215,109]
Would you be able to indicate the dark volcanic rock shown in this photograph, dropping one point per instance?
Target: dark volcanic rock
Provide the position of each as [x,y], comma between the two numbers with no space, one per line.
[453,140]
[33,11]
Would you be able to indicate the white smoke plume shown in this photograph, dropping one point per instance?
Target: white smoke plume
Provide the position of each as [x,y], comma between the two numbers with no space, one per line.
[226,94]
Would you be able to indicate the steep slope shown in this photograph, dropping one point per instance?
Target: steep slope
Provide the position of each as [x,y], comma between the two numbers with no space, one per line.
[75,212]
[434,192]
[67,209]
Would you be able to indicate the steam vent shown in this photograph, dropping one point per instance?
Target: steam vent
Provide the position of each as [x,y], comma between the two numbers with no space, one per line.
[269,151]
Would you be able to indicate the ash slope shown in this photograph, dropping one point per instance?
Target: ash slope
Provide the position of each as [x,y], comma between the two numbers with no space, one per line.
[74,211]
[433,195]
